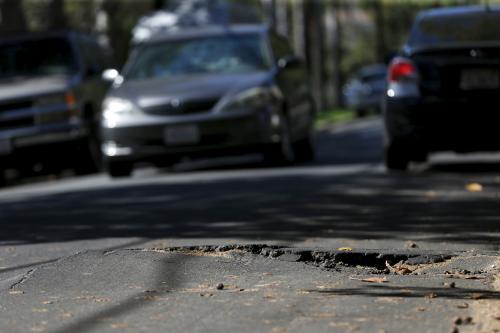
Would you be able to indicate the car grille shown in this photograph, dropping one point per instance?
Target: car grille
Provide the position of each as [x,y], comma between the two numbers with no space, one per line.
[188,107]
[16,122]
[12,106]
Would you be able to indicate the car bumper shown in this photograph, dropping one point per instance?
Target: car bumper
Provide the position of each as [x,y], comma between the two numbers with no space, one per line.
[437,124]
[144,137]
[26,141]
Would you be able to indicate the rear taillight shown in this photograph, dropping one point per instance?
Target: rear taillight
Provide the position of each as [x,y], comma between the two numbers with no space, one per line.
[402,69]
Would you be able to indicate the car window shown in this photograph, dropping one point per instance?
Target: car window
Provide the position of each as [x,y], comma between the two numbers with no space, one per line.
[462,28]
[219,54]
[54,56]
[373,77]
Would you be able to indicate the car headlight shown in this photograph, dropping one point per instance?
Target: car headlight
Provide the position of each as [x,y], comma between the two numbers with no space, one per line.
[254,98]
[114,106]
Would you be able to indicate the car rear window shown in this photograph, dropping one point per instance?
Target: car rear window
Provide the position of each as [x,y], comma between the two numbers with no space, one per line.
[457,28]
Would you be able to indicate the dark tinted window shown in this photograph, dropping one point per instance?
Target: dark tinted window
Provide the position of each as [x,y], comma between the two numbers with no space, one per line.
[460,28]
[45,57]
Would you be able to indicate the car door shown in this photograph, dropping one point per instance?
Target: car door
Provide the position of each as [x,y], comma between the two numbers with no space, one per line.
[293,82]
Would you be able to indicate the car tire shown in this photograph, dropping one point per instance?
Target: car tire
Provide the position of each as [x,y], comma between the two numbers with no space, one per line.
[396,157]
[3,180]
[361,113]
[304,150]
[282,153]
[120,169]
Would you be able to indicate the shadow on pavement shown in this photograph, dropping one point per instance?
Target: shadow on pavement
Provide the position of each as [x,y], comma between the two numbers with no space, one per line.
[288,208]
[167,272]
[414,292]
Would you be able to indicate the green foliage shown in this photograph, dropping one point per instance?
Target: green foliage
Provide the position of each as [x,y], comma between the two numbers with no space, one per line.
[334,116]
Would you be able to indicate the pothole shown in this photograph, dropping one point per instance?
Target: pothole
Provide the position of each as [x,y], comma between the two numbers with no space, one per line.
[324,258]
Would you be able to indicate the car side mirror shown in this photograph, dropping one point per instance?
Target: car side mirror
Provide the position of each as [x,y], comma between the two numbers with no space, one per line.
[110,75]
[291,61]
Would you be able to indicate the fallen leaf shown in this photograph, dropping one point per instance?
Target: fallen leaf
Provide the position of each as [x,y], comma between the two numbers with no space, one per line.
[431,194]
[119,326]
[474,187]
[411,245]
[371,280]
[399,268]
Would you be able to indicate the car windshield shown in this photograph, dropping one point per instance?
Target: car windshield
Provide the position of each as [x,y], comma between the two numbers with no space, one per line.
[208,55]
[45,57]
[463,28]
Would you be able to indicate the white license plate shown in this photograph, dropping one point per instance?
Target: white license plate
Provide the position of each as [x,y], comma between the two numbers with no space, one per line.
[480,79]
[182,135]
[5,147]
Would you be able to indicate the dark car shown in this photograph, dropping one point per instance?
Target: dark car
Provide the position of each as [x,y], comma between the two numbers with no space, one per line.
[50,94]
[443,89]
[366,90]
[208,91]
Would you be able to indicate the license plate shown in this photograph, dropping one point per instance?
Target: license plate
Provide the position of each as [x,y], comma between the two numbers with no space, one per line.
[182,135]
[480,79]
[5,147]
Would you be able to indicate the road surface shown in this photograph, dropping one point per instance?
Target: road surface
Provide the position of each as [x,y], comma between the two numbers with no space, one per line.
[143,276]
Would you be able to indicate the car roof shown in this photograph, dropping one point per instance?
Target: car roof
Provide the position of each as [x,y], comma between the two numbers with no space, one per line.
[438,13]
[207,31]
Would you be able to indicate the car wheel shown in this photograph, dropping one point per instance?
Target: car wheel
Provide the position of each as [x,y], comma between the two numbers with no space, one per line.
[396,157]
[3,180]
[304,150]
[361,113]
[120,169]
[281,153]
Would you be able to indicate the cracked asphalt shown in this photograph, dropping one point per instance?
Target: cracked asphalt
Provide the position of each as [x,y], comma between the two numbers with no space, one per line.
[350,247]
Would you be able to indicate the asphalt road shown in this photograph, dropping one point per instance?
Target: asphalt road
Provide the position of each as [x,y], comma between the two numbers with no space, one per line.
[345,200]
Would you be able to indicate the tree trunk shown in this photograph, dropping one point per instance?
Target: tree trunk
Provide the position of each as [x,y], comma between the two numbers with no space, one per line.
[298,28]
[12,19]
[314,49]
[380,31]
[57,17]
[337,57]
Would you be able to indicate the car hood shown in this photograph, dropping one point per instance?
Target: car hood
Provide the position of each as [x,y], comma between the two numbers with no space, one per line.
[160,91]
[22,88]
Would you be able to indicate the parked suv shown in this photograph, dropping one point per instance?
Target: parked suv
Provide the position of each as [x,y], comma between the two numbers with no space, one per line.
[206,91]
[50,95]
[443,89]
